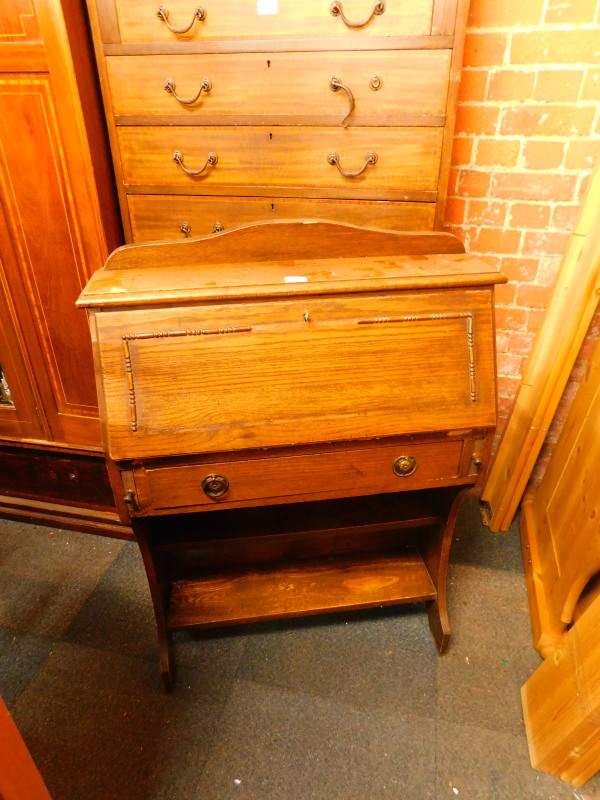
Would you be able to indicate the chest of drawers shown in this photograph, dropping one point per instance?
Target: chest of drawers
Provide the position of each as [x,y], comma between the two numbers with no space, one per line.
[292,412]
[252,110]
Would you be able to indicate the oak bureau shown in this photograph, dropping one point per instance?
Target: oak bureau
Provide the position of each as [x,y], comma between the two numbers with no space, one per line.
[238,111]
[292,412]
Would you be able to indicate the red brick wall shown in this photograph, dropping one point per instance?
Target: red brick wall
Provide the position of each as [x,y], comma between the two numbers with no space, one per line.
[527,134]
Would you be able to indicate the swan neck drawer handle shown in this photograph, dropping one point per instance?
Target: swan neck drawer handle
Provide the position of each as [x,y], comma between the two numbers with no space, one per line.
[335,85]
[205,86]
[178,159]
[337,10]
[334,160]
[162,12]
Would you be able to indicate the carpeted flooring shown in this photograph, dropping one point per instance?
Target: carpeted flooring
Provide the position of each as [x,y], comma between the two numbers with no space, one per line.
[344,707]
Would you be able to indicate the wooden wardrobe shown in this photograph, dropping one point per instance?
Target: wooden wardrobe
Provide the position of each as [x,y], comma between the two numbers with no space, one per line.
[58,223]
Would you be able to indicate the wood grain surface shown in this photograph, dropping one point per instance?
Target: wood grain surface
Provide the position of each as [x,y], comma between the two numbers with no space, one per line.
[408,158]
[238,19]
[292,590]
[282,380]
[282,88]
[160,217]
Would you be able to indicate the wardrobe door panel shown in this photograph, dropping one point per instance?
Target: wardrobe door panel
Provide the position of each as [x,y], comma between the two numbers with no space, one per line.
[49,270]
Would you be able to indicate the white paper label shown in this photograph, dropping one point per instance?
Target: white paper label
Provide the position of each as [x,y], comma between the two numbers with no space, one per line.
[295,279]
[265,7]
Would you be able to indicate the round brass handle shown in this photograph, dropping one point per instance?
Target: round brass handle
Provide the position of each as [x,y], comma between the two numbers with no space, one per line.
[218,228]
[337,10]
[335,85]
[205,86]
[334,160]
[186,229]
[163,14]
[404,466]
[215,486]
[178,159]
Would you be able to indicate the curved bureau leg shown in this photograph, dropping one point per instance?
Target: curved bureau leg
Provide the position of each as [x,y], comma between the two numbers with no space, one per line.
[435,550]
[159,591]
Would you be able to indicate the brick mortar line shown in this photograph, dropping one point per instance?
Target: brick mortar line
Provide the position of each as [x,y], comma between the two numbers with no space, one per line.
[543,27]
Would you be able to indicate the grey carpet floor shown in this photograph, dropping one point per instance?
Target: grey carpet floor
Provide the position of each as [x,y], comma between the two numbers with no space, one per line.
[343,707]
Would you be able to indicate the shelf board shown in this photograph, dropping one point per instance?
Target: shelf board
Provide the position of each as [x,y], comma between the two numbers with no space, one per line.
[311,586]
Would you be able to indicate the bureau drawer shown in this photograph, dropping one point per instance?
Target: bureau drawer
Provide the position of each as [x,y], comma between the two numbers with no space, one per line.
[342,473]
[261,374]
[156,217]
[270,19]
[408,159]
[387,88]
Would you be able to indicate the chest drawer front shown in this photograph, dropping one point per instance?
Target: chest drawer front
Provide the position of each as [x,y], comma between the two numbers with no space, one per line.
[407,158]
[231,377]
[250,19]
[272,88]
[345,473]
[160,217]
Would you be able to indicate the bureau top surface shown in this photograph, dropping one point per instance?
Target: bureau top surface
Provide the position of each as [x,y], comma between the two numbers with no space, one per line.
[283,259]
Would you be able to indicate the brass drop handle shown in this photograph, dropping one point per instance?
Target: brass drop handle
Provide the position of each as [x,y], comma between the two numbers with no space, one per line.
[335,85]
[337,9]
[218,228]
[334,160]
[178,159]
[163,14]
[215,486]
[205,86]
[186,229]
[404,466]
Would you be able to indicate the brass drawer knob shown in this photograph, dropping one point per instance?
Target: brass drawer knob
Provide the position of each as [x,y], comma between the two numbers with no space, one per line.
[404,466]
[215,485]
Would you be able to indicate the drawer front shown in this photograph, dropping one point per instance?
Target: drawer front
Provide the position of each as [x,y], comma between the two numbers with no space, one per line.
[56,478]
[163,217]
[387,88]
[270,19]
[345,473]
[408,159]
[251,375]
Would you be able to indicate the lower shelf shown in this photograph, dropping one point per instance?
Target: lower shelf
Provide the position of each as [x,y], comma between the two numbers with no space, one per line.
[311,586]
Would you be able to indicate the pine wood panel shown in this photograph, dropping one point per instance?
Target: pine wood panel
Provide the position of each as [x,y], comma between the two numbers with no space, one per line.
[409,158]
[347,374]
[567,317]
[560,519]
[155,217]
[241,20]
[561,704]
[282,88]
[363,471]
